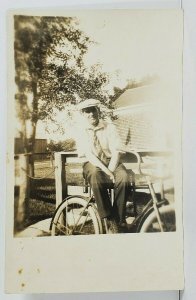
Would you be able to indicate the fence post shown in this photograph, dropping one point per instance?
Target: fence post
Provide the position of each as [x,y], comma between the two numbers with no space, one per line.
[24,191]
[60,184]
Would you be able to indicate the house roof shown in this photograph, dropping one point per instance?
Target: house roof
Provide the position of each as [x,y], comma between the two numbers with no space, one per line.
[140,95]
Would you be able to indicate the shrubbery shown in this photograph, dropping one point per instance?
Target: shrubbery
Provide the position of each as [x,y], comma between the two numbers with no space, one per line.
[67,145]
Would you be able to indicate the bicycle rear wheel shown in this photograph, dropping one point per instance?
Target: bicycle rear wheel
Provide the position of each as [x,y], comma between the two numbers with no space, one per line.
[150,222]
[75,216]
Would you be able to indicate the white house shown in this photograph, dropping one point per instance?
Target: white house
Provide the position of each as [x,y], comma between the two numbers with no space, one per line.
[145,118]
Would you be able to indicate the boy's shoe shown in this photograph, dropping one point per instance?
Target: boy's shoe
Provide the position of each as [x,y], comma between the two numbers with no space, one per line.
[111,226]
[123,227]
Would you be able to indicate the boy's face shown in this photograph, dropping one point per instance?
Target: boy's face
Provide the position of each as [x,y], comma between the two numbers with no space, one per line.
[91,114]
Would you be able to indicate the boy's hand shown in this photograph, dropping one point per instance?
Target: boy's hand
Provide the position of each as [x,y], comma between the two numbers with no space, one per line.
[110,174]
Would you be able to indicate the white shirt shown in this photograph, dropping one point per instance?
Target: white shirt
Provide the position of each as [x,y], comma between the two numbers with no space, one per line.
[107,135]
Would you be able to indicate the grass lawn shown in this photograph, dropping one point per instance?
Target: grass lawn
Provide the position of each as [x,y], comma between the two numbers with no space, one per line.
[42,201]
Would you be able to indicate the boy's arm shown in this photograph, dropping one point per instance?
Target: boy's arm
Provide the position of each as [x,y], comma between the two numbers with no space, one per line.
[96,162]
[114,161]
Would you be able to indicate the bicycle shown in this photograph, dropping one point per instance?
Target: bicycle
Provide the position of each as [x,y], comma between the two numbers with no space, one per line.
[78,215]
[158,215]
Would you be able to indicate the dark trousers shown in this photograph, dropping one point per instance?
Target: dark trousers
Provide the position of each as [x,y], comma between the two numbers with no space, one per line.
[100,182]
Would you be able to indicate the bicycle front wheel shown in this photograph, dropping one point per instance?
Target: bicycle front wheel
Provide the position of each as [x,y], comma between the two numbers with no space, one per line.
[151,224]
[75,216]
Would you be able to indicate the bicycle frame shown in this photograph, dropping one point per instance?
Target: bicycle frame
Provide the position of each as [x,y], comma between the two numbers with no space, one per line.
[153,203]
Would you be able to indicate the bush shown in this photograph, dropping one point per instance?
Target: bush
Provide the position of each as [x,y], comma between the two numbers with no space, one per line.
[67,145]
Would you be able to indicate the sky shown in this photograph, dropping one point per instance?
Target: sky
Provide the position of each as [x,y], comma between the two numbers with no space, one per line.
[135,43]
[132,44]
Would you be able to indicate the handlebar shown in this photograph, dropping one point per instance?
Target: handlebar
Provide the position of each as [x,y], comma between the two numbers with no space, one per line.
[138,158]
[158,168]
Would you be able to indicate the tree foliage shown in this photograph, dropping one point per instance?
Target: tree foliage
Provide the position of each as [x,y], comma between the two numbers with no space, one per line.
[67,145]
[50,72]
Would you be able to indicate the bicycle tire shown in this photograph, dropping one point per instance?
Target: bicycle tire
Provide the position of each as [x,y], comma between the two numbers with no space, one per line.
[72,218]
[149,222]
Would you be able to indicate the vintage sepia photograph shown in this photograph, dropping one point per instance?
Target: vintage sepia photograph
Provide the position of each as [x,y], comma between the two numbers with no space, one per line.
[95,125]
[94,151]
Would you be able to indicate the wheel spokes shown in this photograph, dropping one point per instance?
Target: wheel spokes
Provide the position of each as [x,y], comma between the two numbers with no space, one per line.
[77,222]
[75,217]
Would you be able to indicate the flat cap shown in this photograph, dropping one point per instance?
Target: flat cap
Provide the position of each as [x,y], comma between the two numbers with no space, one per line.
[88,103]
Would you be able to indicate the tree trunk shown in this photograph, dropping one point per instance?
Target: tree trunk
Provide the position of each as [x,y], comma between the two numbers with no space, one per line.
[32,148]
[23,135]
[34,127]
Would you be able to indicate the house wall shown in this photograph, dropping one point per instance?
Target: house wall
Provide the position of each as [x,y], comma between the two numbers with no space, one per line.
[140,128]
[145,128]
